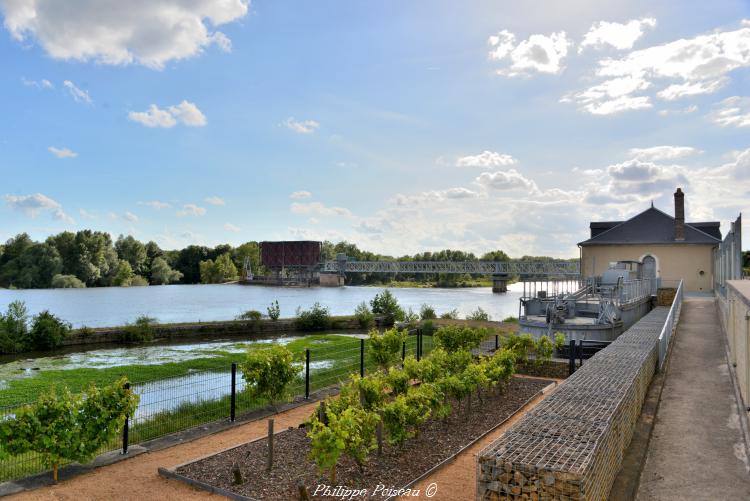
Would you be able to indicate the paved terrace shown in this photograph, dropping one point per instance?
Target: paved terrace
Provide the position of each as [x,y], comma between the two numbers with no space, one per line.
[697,448]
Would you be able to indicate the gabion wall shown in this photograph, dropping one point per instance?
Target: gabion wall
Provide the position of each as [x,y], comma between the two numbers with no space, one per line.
[571,446]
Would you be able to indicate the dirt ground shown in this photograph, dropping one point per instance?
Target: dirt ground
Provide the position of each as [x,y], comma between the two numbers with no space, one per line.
[137,478]
[458,480]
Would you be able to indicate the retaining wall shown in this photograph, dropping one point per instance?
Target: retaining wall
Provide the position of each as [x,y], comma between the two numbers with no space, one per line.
[570,447]
[205,329]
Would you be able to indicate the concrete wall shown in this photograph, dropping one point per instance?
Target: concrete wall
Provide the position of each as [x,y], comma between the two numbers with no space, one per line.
[673,262]
[734,312]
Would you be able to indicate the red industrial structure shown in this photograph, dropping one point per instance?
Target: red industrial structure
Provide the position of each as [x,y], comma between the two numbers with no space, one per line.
[290,254]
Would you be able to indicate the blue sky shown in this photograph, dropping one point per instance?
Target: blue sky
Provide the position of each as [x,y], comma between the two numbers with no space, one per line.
[400,126]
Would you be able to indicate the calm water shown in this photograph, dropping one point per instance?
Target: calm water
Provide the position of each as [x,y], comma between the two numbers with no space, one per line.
[110,306]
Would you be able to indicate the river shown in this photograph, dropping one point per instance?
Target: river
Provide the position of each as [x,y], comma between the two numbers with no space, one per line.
[113,306]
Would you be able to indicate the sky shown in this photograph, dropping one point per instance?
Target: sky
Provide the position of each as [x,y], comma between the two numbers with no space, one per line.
[403,127]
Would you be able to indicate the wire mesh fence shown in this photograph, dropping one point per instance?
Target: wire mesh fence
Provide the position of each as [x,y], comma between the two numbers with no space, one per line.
[212,394]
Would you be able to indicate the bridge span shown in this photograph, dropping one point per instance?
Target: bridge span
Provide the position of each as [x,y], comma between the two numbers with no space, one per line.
[501,271]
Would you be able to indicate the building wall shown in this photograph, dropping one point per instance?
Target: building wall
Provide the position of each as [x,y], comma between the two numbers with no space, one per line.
[673,262]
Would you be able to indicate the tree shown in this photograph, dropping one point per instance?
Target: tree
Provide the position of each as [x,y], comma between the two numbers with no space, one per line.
[162,273]
[132,251]
[26,264]
[268,371]
[123,274]
[219,271]
[63,426]
[385,349]
[47,332]
[13,327]
[386,304]
[188,263]
[67,282]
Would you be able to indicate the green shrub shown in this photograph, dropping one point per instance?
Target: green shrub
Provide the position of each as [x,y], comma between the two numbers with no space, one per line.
[138,281]
[47,332]
[351,432]
[141,330]
[454,337]
[85,332]
[363,315]
[385,349]
[63,426]
[510,320]
[479,314]
[397,380]
[428,328]
[317,318]
[67,282]
[559,341]
[268,371]
[500,367]
[252,315]
[13,327]
[450,315]
[543,349]
[386,305]
[411,319]
[520,345]
[427,312]
[274,311]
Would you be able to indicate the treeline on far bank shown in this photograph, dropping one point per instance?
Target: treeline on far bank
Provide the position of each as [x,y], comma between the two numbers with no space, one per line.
[94,259]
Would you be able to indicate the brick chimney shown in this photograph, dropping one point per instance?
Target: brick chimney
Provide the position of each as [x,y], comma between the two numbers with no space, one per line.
[679,215]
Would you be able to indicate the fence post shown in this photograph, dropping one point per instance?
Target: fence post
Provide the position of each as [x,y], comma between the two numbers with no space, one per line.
[361,358]
[125,429]
[419,354]
[403,351]
[580,352]
[497,341]
[571,356]
[307,373]
[233,400]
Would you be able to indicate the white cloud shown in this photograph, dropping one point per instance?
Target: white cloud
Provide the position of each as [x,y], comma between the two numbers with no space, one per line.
[232,228]
[186,113]
[147,32]
[506,180]
[319,208]
[191,210]
[189,114]
[156,204]
[674,70]
[32,205]
[43,84]
[732,112]
[300,194]
[215,200]
[301,127]
[617,35]
[62,152]
[537,54]
[78,95]
[60,215]
[665,152]
[129,216]
[86,214]
[486,159]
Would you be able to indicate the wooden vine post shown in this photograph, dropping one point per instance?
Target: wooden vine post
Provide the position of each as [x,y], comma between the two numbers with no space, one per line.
[269,464]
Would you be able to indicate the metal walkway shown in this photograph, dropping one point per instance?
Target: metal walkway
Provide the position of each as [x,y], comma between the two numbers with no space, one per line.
[697,449]
[522,268]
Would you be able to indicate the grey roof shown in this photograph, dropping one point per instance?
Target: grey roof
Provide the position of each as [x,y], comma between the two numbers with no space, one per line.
[652,226]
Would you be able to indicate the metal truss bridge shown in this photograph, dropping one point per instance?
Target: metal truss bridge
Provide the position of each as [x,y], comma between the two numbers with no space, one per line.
[521,268]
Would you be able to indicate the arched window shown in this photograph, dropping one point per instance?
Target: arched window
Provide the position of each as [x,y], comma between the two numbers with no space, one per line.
[649,266]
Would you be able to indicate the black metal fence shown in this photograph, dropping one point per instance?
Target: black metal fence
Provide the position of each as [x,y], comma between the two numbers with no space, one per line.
[201,397]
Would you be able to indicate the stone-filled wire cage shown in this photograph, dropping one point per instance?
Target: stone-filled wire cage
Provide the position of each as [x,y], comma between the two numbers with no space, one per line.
[571,446]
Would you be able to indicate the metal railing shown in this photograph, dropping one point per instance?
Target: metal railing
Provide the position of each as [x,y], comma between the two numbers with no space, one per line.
[666,332]
[523,268]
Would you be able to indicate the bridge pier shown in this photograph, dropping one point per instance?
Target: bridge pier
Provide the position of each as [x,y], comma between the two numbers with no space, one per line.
[331,280]
[500,283]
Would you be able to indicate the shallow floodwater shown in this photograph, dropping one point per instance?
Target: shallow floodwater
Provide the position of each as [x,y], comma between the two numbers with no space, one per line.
[112,306]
